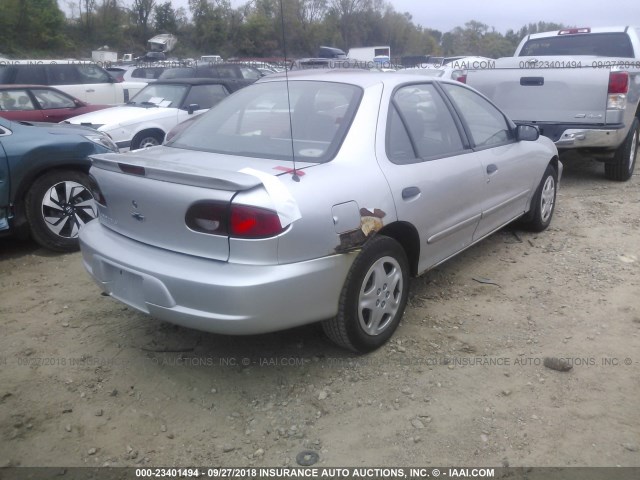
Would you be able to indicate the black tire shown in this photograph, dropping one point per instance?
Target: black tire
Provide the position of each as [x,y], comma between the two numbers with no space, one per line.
[146,138]
[543,203]
[382,261]
[58,203]
[624,160]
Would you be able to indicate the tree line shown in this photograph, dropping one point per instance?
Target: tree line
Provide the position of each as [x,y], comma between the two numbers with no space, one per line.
[40,28]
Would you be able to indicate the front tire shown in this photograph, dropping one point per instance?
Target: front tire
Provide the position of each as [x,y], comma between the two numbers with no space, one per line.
[57,205]
[624,160]
[146,139]
[543,203]
[373,297]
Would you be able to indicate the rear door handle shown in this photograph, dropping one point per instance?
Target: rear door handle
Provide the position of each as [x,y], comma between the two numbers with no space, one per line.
[90,90]
[492,168]
[410,192]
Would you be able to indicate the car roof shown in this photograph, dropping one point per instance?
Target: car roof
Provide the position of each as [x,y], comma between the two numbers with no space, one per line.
[193,81]
[15,86]
[361,78]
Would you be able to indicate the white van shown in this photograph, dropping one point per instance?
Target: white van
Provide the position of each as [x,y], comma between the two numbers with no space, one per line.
[209,59]
[85,80]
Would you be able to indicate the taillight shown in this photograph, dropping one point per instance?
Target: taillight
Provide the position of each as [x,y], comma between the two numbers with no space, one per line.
[208,217]
[132,169]
[96,192]
[618,82]
[617,92]
[459,75]
[253,222]
[239,221]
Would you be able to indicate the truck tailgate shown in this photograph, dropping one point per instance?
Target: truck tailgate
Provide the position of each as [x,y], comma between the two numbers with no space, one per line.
[558,95]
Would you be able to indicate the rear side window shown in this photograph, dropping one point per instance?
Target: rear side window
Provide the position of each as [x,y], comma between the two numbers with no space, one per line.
[16,100]
[63,75]
[598,44]
[7,73]
[420,126]
[30,74]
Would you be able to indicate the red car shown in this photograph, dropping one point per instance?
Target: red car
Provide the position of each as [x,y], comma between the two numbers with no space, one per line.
[38,103]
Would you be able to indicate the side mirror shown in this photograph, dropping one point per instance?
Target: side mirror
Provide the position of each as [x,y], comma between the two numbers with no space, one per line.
[527,133]
[78,103]
[192,108]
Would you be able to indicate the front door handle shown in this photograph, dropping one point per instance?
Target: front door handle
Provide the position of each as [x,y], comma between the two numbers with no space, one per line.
[492,168]
[410,192]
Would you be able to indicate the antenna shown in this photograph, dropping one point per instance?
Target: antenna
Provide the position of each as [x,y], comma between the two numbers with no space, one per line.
[295,176]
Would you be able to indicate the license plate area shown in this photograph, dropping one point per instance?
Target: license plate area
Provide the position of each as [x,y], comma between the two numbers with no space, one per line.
[126,286]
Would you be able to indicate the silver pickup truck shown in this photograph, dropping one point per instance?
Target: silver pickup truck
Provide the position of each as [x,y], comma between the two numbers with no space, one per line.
[580,86]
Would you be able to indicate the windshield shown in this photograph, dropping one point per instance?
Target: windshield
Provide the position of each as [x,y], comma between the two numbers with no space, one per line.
[160,95]
[255,122]
[598,44]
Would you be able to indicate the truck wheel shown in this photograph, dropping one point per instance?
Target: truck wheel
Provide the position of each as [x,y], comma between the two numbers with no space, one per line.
[146,139]
[543,203]
[57,205]
[373,297]
[624,160]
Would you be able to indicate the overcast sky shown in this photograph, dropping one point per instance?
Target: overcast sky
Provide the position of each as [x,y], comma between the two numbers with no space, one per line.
[445,15]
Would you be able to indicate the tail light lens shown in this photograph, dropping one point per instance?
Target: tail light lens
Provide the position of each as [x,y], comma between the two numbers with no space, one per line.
[239,221]
[96,192]
[618,82]
[253,222]
[617,92]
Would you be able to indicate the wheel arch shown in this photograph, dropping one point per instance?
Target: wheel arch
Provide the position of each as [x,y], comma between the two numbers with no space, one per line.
[150,130]
[407,236]
[32,176]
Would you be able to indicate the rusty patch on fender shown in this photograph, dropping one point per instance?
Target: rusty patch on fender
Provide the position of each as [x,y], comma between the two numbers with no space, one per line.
[370,223]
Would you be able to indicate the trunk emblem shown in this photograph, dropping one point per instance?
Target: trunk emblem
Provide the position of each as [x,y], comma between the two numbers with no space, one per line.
[138,216]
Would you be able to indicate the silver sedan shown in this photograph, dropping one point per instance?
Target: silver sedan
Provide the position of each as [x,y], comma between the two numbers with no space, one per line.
[313,198]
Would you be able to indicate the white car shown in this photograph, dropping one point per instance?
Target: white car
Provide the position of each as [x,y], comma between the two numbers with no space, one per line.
[157,108]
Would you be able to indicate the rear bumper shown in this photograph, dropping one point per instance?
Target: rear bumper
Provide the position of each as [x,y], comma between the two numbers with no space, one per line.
[210,295]
[569,136]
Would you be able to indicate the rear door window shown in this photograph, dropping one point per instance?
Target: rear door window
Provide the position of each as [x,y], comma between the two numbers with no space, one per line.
[421,126]
[31,74]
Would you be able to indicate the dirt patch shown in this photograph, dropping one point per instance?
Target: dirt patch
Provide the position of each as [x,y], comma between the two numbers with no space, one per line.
[87,381]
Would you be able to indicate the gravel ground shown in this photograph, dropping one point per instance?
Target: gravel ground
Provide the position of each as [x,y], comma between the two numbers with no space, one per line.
[87,381]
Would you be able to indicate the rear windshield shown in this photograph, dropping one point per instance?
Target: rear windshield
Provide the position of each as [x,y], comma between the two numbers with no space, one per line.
[256,122]
[598,44]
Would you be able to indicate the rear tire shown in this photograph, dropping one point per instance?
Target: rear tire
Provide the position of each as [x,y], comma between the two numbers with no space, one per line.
[624,160]
[373,297]
[543,203]
[146,139]
[57,205]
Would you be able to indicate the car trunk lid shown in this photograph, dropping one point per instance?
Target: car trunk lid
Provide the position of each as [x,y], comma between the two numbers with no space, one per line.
[148,194]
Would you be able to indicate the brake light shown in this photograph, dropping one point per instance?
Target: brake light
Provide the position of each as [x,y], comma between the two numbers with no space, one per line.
[618,88]
[253,222]
[618,82]
[573,31]
[239,221]
[96,192]
[132,169]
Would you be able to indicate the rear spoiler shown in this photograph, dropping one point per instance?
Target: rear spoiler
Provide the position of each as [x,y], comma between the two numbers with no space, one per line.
[175,172]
